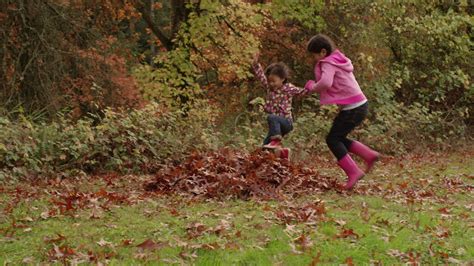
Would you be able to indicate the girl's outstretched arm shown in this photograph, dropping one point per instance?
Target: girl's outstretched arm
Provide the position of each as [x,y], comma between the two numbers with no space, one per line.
[293,90]
[327,78]
[258,70]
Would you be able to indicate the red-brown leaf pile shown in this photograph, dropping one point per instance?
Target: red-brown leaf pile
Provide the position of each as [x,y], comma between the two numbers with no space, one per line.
[233,174]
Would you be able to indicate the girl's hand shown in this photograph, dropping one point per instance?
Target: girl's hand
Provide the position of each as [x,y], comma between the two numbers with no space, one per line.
[309,85]
[255,58]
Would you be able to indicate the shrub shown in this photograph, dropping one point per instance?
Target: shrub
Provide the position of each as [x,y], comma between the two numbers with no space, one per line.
[136,141]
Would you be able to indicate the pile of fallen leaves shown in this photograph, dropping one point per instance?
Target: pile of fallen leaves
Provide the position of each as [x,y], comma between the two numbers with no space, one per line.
[232,174]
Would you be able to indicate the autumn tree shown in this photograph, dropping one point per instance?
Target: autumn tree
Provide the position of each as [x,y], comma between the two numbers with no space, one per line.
[60,54]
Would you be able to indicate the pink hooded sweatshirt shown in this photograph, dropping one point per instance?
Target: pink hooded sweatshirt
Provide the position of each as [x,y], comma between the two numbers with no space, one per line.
[335,81]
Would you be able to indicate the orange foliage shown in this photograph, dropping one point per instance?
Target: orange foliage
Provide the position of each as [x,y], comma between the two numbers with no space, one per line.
[104,81]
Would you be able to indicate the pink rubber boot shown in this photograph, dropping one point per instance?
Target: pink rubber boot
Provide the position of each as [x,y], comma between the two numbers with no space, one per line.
[370,156]
[274,143]
[352,171]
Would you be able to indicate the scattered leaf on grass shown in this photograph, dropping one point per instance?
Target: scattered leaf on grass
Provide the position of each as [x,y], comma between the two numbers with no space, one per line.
[27,219]
[103,243]
[349,261]
[56,239]
[28,260]
[294,249]
[150,245]
[188,256]
[232,246]
[60,252]
[303,242]
[45,215]
[345,233]
[195,229]
[315,259]
[127,242]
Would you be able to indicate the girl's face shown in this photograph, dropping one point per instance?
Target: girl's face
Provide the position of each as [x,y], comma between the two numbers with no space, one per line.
[320,55]
[275,81]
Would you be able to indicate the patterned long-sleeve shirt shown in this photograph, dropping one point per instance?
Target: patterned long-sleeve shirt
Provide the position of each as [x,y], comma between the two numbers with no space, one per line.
[278,101]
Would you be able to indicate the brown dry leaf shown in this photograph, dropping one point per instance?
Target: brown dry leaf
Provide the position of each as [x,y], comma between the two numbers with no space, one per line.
[103,243]
[96,213]
[181,243]
[444,210]
[56,239]
[174,212]
[262,241]
[60,252]
[248,217]
[303,241]
[195,229]
[470,207]
[27,219]
[45,215]
[315,259]
[148,212]
[140,255]
[364,214]
[188,256]
[290,230]
[345,233]
[238,234]
[443,233]
[294,250]
[349,261]
[127,242]
[207,246]
[28,260]
[396,253]
[232,245]
[150,245]
[261,226]
[223,226]
[454,261]
[383,222]
[308,214]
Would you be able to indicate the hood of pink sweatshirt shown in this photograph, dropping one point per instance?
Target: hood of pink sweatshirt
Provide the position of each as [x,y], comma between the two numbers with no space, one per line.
[344,89]
[339,60]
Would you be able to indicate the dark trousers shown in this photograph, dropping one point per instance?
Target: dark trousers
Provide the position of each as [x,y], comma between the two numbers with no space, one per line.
[277,125]
[343,124]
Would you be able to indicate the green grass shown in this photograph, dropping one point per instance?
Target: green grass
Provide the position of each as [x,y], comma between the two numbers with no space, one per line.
[385,225]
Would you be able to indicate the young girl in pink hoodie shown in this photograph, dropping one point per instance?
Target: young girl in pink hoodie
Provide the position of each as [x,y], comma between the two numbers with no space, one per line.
[336,84]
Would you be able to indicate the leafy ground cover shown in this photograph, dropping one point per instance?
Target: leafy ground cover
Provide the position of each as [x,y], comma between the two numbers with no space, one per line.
[228,207]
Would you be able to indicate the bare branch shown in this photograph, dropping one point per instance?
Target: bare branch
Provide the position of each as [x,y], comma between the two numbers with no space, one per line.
[166,41]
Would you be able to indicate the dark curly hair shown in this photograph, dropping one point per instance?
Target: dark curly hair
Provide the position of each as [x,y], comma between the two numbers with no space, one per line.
[279,69]
[319,42]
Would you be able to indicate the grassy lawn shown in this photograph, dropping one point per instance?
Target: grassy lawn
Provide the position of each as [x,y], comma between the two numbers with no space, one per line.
[416,209]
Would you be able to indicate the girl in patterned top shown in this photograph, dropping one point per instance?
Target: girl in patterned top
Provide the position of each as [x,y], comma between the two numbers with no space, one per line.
[278,103]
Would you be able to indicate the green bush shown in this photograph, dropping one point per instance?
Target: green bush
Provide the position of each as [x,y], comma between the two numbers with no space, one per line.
[434,49]
[136,141]
[392,128]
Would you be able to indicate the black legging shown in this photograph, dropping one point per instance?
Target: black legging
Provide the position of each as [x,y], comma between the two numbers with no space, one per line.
[343,124]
